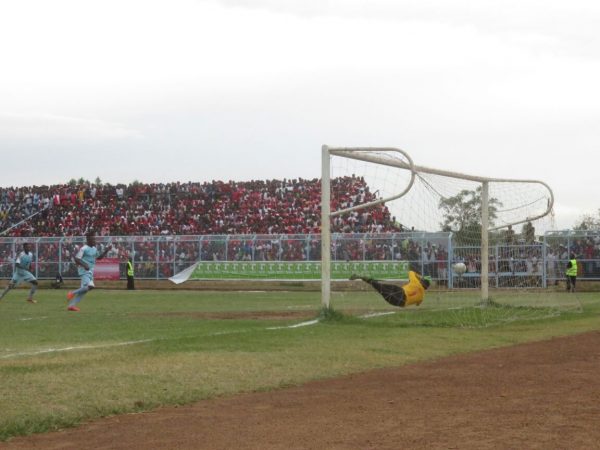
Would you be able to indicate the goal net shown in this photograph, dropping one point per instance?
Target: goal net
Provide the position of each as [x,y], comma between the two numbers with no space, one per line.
[468,232]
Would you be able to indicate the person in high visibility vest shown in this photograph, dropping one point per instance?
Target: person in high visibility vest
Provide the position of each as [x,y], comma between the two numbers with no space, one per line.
[571,273]
[411,293]
[130,284]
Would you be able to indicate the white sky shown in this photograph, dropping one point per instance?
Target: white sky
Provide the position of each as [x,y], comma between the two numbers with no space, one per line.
[181,90]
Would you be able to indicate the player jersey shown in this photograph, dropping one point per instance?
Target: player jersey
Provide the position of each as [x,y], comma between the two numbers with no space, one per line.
[414,290]
[88,255]
[24,262]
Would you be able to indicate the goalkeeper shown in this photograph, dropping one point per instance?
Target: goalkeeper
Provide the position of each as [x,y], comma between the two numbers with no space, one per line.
[411,293]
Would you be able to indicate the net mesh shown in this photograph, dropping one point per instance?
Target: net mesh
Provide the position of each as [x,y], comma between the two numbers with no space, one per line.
[519,213]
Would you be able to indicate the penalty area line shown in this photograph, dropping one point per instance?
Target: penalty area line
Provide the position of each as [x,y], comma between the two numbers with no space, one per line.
[297,325]
[377,314]
[316,321]
[77,347]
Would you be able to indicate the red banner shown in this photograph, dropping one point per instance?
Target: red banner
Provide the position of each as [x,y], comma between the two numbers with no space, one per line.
[107,269]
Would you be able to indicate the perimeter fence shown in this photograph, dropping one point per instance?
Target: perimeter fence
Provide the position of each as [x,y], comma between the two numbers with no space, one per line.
[540,263]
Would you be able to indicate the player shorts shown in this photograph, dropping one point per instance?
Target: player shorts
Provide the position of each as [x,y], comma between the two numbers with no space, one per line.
[22,276]
[87,279]
[392,294]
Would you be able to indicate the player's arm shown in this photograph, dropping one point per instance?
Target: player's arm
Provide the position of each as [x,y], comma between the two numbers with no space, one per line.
[18,263]
[105,252]
[81,263]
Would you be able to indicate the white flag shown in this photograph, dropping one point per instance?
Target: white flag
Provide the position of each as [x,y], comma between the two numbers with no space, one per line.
[184,275]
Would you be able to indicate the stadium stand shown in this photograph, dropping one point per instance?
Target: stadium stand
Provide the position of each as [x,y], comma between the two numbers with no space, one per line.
[217,207]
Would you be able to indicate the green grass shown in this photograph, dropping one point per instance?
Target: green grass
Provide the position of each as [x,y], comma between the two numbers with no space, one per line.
[131,351]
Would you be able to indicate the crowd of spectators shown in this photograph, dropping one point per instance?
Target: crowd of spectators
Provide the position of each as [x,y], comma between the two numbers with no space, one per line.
[217,207]
[278,217]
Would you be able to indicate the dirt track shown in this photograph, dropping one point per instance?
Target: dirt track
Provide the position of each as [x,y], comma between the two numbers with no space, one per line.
[544,395]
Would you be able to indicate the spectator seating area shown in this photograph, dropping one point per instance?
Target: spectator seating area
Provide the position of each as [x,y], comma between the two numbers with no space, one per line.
[217,207]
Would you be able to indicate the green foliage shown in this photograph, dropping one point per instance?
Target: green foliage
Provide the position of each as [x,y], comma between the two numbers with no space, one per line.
[528,233]
[462,215]
[81,181]
[588,222]
[330,315]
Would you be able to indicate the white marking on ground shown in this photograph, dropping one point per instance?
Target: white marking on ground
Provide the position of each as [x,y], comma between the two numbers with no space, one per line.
[77,347]
[377,314]
[297,325]
[219,333]
[34,318]
[223,333]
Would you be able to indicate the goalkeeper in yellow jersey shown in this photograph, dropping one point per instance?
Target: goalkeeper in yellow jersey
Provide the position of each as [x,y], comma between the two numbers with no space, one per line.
[411,293]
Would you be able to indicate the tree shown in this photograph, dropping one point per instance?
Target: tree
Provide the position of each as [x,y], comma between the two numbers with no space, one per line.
[98,181]
[589,222]
[528,233]
[462,214]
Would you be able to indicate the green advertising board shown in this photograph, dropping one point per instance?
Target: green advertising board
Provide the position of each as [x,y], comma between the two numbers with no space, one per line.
[305,270]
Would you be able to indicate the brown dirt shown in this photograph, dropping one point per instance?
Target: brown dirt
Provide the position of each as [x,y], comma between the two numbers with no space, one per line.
[542,395]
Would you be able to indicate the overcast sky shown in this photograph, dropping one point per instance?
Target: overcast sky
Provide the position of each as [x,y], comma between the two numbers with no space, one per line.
[179,90]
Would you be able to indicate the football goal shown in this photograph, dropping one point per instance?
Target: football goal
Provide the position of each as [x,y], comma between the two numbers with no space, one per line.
[381,189]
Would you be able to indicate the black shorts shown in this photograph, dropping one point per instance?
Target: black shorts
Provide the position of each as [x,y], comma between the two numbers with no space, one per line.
[392,294]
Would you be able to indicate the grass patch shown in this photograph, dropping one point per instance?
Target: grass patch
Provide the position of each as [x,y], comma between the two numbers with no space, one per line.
[129,351]
[330,315]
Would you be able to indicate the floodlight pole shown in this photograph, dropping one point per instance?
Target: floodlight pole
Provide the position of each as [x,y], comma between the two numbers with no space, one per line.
[325,228]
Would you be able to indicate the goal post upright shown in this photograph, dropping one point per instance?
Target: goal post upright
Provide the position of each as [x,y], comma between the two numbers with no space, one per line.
[325,228]
[485,248]
[366,154]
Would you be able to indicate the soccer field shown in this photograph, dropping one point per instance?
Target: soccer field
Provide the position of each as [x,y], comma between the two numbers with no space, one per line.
[136,350]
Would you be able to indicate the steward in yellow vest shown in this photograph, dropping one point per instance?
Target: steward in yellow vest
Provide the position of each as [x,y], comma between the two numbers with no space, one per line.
[571,273]
[130,283]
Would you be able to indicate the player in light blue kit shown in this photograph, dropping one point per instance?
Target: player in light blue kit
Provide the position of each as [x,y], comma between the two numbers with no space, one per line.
[23,274]
[86,261]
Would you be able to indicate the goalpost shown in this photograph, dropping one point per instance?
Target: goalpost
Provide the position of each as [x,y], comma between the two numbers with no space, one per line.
[394,157]
[474,208]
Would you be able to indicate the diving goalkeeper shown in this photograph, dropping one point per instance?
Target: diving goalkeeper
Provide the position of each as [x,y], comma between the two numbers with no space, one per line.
[411,293]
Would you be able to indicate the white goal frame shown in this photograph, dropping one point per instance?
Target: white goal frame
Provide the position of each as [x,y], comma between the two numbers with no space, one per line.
[327,215]
[362,153]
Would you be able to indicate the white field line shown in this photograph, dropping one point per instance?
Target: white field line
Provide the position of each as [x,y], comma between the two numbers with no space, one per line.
[34,318]
[316,321]
[377,314]
[219,333]
[297,325]
[77,347]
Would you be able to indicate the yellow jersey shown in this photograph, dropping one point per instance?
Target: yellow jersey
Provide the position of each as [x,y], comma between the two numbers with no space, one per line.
[413,290]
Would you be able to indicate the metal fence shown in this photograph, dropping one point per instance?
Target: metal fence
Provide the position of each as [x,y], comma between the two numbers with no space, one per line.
[538,264]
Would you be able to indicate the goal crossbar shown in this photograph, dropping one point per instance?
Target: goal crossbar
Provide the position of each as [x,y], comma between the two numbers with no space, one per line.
[357,153]
[352,153]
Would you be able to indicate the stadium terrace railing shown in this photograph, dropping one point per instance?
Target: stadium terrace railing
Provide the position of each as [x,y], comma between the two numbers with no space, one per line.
[539,264]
